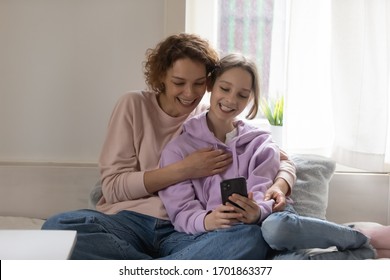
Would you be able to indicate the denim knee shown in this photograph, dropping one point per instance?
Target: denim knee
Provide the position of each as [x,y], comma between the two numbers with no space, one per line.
[52,222]
[67,220]
[276,229]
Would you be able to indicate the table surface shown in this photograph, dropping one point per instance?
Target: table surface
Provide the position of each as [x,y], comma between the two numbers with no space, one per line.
[36,244]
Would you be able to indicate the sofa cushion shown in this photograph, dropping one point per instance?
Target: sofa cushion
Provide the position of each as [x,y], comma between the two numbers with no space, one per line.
[310,192]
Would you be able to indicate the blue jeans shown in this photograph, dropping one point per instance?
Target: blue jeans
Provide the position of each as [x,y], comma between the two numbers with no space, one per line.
[288,232]
[131,235]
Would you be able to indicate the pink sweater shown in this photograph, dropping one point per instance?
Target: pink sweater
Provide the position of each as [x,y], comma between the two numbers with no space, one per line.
[137,133]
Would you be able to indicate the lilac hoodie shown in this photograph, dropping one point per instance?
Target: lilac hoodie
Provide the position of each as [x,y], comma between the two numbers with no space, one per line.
[255,157]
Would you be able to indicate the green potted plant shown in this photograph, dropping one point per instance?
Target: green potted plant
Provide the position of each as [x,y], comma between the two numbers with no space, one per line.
[273,111]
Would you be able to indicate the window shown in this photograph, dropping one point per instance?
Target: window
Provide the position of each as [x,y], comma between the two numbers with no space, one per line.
[246,27]
[336,76]
[255,28]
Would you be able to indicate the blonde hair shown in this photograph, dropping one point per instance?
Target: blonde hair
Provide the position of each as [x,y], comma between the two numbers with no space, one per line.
[238,60]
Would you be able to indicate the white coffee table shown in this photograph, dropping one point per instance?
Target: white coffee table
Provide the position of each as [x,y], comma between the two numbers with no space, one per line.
[36,244]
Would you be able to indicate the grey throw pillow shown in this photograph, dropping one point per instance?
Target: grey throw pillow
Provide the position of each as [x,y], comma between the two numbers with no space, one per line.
[310,192]
[95,195]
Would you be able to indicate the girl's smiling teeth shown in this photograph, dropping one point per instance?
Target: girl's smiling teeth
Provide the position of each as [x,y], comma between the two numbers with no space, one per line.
[225,108]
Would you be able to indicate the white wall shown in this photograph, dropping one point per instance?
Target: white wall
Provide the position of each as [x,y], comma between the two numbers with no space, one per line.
[63,65]
[357,197]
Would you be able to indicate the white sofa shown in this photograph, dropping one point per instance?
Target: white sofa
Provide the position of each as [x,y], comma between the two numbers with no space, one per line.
[31,193]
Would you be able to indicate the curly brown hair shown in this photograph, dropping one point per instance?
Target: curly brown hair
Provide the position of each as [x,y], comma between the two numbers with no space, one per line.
[174,47]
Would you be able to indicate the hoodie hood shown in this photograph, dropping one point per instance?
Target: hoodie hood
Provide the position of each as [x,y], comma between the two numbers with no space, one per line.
[197,126]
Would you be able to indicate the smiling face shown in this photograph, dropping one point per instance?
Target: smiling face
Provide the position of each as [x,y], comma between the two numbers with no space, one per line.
[230,94]
[185,85]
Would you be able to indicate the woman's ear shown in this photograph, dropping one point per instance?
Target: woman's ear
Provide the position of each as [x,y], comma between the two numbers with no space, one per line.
[162,86]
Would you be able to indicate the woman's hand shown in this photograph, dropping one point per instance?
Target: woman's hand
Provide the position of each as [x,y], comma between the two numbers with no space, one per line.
[206,162]
[223,216]
[278,193]
[251,211]
[201,163]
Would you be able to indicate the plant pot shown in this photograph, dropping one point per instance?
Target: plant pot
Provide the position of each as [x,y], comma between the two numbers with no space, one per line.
[277,134]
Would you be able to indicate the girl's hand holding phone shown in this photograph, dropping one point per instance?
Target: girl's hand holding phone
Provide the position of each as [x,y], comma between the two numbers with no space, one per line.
[223,216]
[248,208]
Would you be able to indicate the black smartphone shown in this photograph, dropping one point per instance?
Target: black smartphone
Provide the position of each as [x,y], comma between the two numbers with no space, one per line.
[231,186]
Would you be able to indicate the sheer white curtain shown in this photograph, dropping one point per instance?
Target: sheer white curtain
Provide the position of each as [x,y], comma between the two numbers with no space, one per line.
[338,81]
[360,82]
[308,118]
